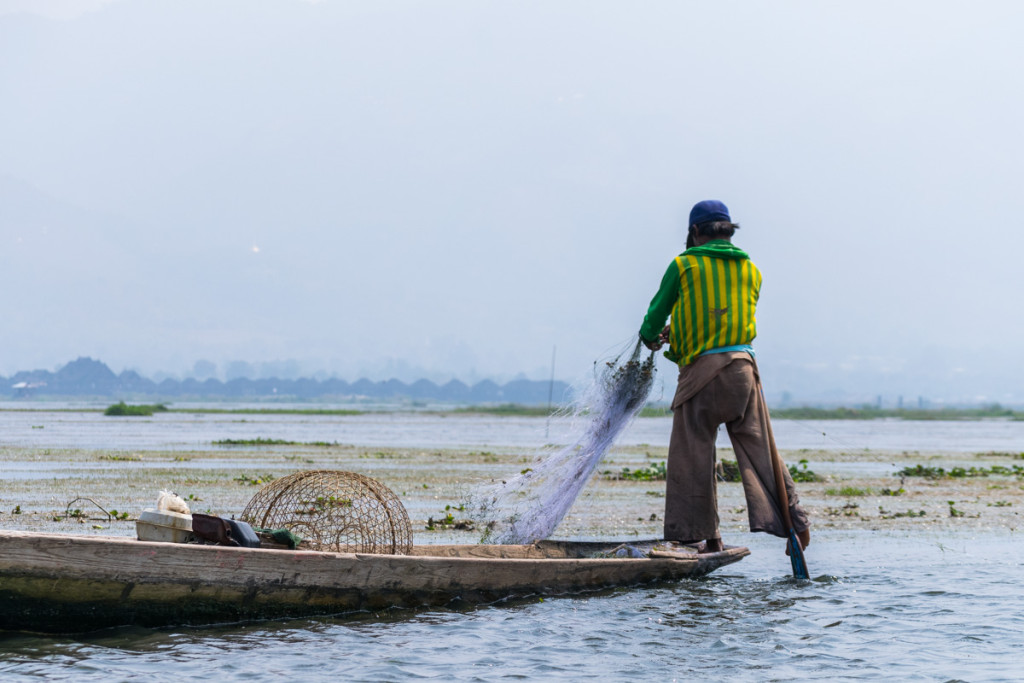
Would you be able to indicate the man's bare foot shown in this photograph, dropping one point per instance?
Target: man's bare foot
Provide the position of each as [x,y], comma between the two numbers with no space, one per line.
[714,545]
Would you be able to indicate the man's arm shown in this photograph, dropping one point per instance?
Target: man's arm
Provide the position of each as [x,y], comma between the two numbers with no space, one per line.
[661,307]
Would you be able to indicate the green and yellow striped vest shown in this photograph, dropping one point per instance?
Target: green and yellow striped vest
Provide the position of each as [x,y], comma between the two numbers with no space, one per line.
[715,308]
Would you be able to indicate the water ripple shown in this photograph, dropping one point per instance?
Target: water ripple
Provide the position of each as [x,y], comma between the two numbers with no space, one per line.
[929,612]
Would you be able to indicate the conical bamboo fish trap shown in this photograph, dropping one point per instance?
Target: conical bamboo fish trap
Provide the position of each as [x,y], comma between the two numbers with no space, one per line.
[334,511]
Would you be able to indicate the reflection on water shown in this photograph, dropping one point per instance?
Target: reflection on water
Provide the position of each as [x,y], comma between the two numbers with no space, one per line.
[880,606]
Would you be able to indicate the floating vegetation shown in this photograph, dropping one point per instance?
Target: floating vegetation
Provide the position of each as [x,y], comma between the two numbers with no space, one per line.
[848,491]
[654,472]
[510,409]
[953,512]
[321,504]
[800,473]
[1001,454]
[530,505]
[254,481]
[487,456]
[449,521]
[899,515]
[655,411]
[870,412]
[728,471]
[260,441]
[848,510]
[116,457]
[1000,504]
[961,472]
[891,492]
[123,409]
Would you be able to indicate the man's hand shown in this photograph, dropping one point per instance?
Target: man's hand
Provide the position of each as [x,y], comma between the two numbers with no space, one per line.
[653,345]
[657,343]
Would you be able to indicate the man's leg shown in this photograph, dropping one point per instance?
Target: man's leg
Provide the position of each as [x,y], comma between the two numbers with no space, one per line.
[749,435]
[691,503]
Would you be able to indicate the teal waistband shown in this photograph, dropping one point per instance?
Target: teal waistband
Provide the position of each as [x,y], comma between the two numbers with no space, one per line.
[735,347]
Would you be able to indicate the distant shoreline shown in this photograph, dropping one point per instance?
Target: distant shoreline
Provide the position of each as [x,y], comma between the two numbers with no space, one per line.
[363,406]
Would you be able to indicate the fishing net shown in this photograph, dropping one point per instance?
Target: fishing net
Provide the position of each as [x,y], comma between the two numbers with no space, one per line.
[529,506]
[334,511]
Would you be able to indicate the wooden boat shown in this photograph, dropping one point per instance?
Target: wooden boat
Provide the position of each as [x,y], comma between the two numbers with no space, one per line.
[53,583]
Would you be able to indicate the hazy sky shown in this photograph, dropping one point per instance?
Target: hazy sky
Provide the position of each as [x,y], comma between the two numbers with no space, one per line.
[450,189]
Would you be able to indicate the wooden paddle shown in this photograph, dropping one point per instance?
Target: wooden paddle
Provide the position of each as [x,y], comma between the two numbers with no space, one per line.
[796,552]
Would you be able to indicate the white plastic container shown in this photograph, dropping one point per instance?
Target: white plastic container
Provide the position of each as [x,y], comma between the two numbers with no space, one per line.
[163,526]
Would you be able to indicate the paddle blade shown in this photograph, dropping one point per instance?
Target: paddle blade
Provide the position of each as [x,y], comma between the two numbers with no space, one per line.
[796,557]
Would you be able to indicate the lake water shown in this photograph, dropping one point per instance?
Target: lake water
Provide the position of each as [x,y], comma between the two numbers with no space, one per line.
[926,606]
[879,607]
[185,431]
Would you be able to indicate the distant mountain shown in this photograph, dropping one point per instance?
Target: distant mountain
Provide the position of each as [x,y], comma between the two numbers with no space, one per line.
[85,377]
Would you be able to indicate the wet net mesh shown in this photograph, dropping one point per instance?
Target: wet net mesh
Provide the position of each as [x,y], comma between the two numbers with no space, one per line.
[334,511]
[529,506]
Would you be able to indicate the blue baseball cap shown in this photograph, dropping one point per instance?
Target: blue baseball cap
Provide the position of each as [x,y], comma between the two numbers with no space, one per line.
[707,211]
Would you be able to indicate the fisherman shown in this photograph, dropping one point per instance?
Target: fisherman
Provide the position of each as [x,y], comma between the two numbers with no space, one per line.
[711,291]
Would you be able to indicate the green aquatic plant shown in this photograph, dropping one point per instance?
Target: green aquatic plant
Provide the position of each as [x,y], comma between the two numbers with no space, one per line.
[891,492]
[254,481]
[961,472]
[449,521]
[123,409]
[655,411]
[848,510]
[261,441]
[653,472]
[848,491]
[258,441]
[1000,454]
[322,503]
[898,515]
[509,409]
[953,512]
[728,471]
[870,412]
[800,473]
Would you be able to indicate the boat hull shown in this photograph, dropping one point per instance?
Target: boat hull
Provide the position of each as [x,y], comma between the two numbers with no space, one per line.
[65,584]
